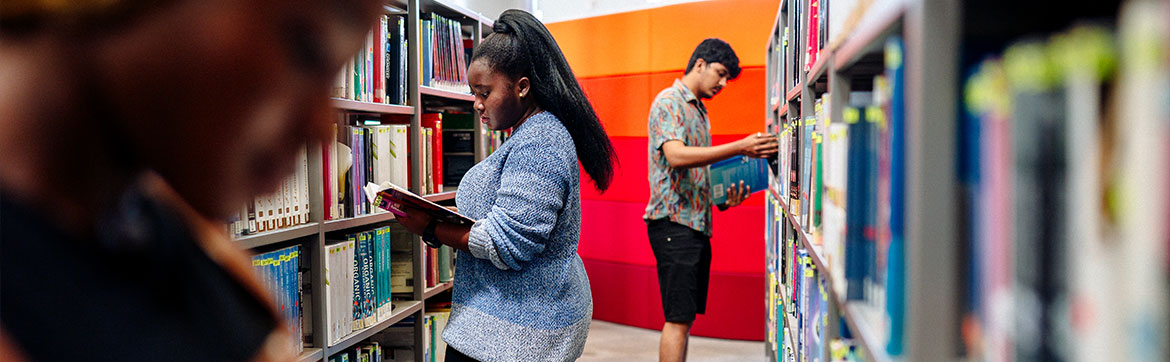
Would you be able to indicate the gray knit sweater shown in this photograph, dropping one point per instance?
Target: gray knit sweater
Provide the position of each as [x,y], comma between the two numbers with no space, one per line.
[522,294]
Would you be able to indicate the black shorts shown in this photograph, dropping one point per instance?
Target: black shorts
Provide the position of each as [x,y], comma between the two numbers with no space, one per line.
[684,268]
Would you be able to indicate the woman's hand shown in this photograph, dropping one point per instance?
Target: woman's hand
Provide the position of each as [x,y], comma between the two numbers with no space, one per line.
[415,220]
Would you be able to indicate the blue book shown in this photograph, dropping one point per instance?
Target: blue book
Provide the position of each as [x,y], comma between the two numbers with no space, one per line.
[861,162]
[895,264]
[368,277]
[357,282]
[752,171]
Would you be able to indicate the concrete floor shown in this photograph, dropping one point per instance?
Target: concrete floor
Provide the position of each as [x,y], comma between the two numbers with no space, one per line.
[616,342]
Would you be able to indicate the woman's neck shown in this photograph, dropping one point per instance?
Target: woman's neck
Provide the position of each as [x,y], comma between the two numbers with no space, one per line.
[532,111]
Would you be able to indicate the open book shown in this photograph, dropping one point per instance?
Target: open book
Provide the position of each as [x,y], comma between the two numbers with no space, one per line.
[390,197]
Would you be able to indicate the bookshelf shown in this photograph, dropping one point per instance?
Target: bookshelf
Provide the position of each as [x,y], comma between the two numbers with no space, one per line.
[311,355]
[849,41]
[950,172]
[311,236]
[278,236]
[371,107]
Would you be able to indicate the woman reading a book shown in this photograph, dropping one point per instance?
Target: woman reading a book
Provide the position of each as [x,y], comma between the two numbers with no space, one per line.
[521,292]
[127,129]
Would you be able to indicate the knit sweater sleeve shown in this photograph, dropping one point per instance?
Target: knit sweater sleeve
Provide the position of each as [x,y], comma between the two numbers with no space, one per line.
[534,181]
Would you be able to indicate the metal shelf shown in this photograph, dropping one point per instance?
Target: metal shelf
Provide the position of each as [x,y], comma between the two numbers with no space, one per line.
[402,309]
[442,196]
[863,333]
[436,92]
[277,236]
[438,288]
[793,93]
[451,8]
[311,355]
[342,224]
[819,68]
[852,312]
[382,108]
[866,38]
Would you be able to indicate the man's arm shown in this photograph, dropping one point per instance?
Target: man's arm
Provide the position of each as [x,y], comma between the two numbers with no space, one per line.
[679,155]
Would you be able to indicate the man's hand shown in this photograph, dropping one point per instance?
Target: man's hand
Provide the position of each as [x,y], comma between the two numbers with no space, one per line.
[759,145]
[735,196]
[415,220]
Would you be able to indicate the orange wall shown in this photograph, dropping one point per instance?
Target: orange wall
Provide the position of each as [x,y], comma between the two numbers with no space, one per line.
[622,61]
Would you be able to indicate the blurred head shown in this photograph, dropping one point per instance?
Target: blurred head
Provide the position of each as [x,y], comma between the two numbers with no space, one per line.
[520,66]
[217,96]
[712,64]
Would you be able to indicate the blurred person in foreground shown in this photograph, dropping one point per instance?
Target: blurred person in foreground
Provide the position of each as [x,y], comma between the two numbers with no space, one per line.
[128,130]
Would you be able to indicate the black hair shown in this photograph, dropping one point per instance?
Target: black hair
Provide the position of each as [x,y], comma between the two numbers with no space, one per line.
[714,50]
[521,46]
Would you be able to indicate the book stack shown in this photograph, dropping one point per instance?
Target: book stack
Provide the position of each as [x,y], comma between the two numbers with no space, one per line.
[359,281]
[363,151]
[443,54]
[285,208]
[1067,140]
[281,273]
[377,73]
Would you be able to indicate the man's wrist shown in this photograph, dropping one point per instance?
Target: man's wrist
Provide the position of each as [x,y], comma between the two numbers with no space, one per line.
[428,234]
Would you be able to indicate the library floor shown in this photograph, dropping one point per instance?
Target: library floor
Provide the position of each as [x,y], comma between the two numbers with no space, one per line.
[616,342]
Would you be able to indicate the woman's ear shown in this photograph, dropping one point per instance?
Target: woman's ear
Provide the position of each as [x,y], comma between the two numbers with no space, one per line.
[523,86]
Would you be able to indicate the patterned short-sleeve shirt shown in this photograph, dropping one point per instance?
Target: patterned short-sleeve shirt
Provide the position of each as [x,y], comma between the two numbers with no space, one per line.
[682,195]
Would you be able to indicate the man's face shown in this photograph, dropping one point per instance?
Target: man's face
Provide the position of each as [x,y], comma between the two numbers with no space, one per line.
[712,78]
[218,96]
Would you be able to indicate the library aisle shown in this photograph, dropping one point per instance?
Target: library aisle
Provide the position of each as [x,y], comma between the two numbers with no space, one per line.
[612,342]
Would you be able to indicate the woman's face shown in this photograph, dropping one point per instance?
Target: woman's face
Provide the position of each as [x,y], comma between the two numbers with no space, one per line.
[499,100]
[218,96]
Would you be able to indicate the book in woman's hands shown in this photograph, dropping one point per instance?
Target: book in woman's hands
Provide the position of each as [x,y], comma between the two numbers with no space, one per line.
[392,198]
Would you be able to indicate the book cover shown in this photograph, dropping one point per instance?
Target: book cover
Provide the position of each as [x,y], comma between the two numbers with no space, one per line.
[434,122]
[753,172]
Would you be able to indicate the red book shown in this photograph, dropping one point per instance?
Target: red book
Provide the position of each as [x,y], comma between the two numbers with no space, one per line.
[379,54]
[435,121]
[811,46]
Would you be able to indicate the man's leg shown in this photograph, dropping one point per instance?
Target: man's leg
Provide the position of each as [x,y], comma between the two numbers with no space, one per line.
[673,346]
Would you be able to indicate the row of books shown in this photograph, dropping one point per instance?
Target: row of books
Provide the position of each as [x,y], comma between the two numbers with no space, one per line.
[815,25]
[363,352]
[285,208]
[374,149]
[843,183]
[362,271]
[363,151]
[445,54]
[398,340]
[365,270]
[281,273]
[1066,153]
[799,299]
[377,73]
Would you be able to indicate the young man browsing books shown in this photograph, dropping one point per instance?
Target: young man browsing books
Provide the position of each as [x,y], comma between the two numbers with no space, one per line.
[678,215]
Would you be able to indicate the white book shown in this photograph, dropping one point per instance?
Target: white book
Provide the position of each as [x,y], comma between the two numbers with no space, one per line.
[294,195]
[349,86]
[331,176]
[399,164]
[303,179]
